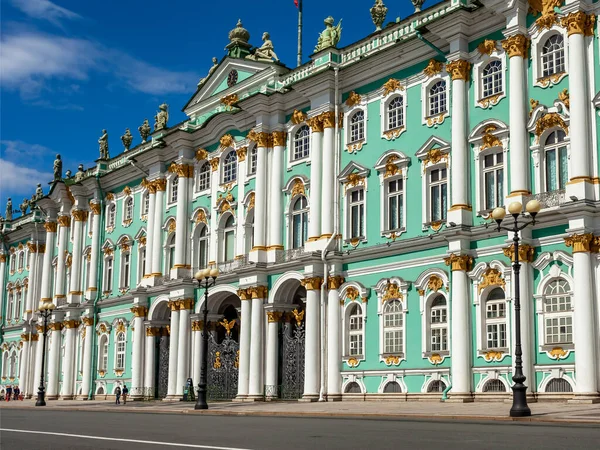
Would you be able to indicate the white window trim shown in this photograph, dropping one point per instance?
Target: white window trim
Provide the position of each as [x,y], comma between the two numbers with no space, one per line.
[292,130]
[401,164]
[125,283]
[145,193]
[168,264]
[346,330]
[124,220]
[115,352]
[289,218]
[426,119]
[538,39]
[252,147]
[348,213]
[170,177]
[109,228]
[290,199]
[139,271]
[426,166]
[353,147]
[196,244]
[344,178]
[380,289]
[221,236]
[222,157]
[197,166]
[489,102]
[391,135]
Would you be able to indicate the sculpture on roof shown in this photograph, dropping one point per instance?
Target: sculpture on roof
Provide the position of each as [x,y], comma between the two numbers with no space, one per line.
[378,13]
[238,46]
[103,142]
[330,36]
[23,206]
[68,174]
[127,139]
[57,168]
[9,211]
[145,130]
[265,52]
[417,4]
[80,173]
[215,62]
[161,117]
[39,192]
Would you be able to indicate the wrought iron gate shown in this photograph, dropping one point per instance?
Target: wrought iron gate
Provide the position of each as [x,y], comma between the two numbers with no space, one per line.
[162,381]
[223,364]
[292,377]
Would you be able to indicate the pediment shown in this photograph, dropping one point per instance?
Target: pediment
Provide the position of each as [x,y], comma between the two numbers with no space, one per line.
[431,143]
[353,167]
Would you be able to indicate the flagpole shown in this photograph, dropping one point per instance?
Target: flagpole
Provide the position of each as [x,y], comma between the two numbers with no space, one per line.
[299,33]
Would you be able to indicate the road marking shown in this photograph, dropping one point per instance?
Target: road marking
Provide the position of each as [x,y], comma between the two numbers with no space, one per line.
[136,441]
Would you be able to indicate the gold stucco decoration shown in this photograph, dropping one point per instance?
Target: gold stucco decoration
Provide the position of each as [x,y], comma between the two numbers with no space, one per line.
[459,69]
[488,140]
[558,353]
[315,124]
[352,362]
[491,277]
[533,103]
[391,292]
[526,253]
[435,283]
[459,262]
[434,156]
[274,316]
[548,121]
[546,8]
[579,23]
[279,138]
[299,316]
[228,325]
[241,153]
[312,283]
[352,293]
[230,100]
[353,99]
[487,47]
[392,85]
[354,179]
[201,154]
[226,141]
[50,227]
[298,117]
[392,360]
[201,217]
[516,45]
[579,242]
[214,164]
[298,188]
[391,169]
[564,97]
[492,355]
[435,359]
[433,68]
[172,226]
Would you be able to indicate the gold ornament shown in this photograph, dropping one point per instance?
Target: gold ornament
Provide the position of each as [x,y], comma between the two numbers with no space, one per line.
[334,282]
[64,221]
[526,253]
[353,99]
[227,325]
[214,164]
[563,96]
[299,316]
[298,117]
[391,169]
[516,45]
[548,121]
[241,153]
[488,139]
[226,141]
[352,293]
[201,154]
[491,277]
[391,85]
[487,47]
[230,100]
[579,23]
[312,283]
[279,138]
[352,362]
[315,124]
[391,292]
[50,227]
[435,283]
[459,262]
[579,242]
[392,360]
[433,68]
[274,316]
[459,69]
[434,156]
[298,188]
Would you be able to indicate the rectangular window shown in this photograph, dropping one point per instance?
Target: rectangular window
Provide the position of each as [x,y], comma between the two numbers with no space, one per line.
[559,330]
[142,263]
[393,341]
[125,270]
[439,339]
[229,245]
[105,356]
[496,335]
[202,253]
[395,205]
[253,161]
[493,174]
[357,213]
[174,189]
[438,194]
[356,344]
[108,274]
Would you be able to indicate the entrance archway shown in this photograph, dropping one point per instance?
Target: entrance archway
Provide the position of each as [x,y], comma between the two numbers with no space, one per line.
[160,316]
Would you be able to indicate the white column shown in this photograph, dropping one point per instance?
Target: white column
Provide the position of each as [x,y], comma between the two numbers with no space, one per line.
[312,351]
[275,192]
[63,236]
[137,355]
[53,360]
[527,320]
[213,247]
[69,359]
[260,199]
[150,228]
[580,131]
[334,350]
[95,210]
[316,152]
[31,387]
[38,359]
[583,318]
[159,207]
[460,328]
[3,258]
[31,286]
[86,377]
[173,348]
[459,70]
[244,368]
[184,172]
[255,384]
[46,294]
[151,333]
[197,327]
[183,349]
[272,355]
[328,176]
[516,48]
[75,294]
[24,363]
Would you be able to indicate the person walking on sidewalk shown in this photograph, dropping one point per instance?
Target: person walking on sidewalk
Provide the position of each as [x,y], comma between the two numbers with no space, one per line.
[9,392]
[125,392]
[118,395]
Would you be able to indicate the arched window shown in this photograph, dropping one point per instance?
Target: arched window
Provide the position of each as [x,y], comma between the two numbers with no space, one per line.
[21,261]
[170,262]
[299,222]
[559,385]
[493,179]
[493,386]
[111,216]
[145,203]
[357,126]
[302,142]
[558,314]
[202,247]
[553,56]
[174,189]
[555,153]
[125,270]
[438,188]
[12,263]
[249,231]
[491,78]
[393,387]
[495,319]
[253,161]
[5,365]
[103,353]
[355,330]
[18,304]
[352,388]
[141,262]
[108,273]
[11,306]
[12,363]
[395,203]
[395,113]
[393,325]
[436,386]
[203,179]
[81,354]
[356,208]
[230,167]
[229,238]
[120,351]
[129,209]
[439,324]
[436,99]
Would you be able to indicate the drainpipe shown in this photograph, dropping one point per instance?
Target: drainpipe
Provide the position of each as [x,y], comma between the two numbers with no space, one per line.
[324,374]
[98,291]
[428,43]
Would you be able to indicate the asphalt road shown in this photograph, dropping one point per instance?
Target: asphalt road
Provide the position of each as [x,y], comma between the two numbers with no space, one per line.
[46,429]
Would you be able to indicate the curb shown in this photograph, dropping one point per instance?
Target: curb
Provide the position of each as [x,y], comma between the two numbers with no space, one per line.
[363,416]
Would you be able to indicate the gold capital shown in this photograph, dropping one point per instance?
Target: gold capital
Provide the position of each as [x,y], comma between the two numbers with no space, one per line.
[79,215]
[160,184]
[152,331]
[182,170]
[214,164]
[312,283]
[334,282]
[139,311]
[68,324]
[95,208]
[328,119]
[241,153]
[526,253]
[315,124]
[274,316]
[87,321]
[579,23]
[459,262]
[279,138]
[50,227]
[580,242]
[173,305]
[243,294]
[64,221]
[258,291]
[186,303]
[55,326]
[459,69]
[516,45]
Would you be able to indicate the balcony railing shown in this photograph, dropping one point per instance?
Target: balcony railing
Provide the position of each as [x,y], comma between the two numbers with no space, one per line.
[233,264]
[289,255]
[548,199]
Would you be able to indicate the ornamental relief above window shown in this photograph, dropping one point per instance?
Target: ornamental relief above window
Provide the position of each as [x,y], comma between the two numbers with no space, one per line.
[489,74]
[549,56]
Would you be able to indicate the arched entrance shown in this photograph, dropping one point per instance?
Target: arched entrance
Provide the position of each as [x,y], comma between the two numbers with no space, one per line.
[161,316]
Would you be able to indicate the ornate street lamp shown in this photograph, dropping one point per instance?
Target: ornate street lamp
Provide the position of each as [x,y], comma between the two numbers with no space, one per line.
[520,221]
[45,310]
[206,278]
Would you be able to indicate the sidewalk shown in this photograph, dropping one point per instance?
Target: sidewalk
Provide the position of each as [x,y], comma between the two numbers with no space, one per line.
[541,412]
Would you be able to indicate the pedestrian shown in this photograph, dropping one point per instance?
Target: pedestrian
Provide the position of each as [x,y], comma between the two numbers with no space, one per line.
[16,393]
[125,392]
[118,395]
[8,392]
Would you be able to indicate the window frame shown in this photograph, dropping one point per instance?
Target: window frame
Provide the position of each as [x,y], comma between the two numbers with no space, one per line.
[234,166]
[111,216]
[538,152]
[295,142]
[353,146]
[538,40]
[382,301]
[221,233]
[350,204]
[556,146]
[348,333]
[120,353]
[557,314]
[199,174]
[252,158]
[486,102]
[128,210]
[303,214]
[497,322]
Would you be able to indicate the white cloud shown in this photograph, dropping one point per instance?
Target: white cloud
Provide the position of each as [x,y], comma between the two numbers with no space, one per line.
[45,10]
[19,179]
[22,150]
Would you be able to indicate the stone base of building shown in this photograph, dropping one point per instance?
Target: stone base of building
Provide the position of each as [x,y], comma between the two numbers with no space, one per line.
[254,398]
[585,398]
[240,398]
[309,398]
[67,397]
[334,397]
[461,397]
[51,397]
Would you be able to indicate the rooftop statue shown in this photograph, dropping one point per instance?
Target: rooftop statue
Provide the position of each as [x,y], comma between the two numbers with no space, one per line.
[57,168]
[39,192]
[68,174]
[80,173]
[215,62]
[161,117]
[23,206]
[378,13]
[8,214]
[417,4]
[127,139]
[144,130]
[238,46]
[330,36]
[103,141]
[264,52]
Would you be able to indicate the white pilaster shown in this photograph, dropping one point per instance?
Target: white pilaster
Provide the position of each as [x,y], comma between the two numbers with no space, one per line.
[183,349]
[275,195]
[46,294]
[53,361]
[255,384]
[527,320]
[173,348]
[213,243]
[63,236]
[31,388]
[260,199]
[75,293]
[244,368]
[37,373]
[137,355]
[272,355]
[151,333]
[159,208]
[150,229]
[69,359]
[197,327]
[334,335]
[95,209]
[86,376]
[180,265]
[316,150]
[24,364]
[328,176]
[312,352]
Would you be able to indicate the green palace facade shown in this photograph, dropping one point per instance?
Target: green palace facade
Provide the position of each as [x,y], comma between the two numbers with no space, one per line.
[347,205]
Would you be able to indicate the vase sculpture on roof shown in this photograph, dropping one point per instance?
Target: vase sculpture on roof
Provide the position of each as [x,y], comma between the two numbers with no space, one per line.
[378,13]
[330,36]
[417,4]
[127,139]
[144,130]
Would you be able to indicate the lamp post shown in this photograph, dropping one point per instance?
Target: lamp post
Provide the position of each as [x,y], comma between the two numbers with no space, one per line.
[520,221]
[206,278]
[45,310]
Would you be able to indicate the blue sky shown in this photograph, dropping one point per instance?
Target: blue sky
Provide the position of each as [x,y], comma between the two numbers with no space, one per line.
[69,68]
